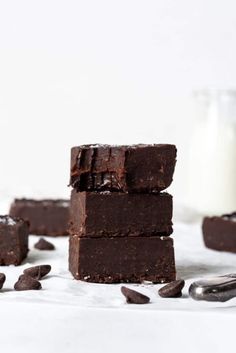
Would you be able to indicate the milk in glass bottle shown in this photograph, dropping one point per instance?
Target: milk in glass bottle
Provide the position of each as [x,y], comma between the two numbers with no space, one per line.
[212,165]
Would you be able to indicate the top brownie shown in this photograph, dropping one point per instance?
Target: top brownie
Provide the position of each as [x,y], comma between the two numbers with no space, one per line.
[135,168]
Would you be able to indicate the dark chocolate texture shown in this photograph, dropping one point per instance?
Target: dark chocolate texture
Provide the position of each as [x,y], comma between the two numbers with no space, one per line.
[46,217]
[13,240]
[128,259]
[27,283]
[134,297]
[172,289]
[219,233]
[135,168]
[2,279]
[43,244]
[37,272]
[114,214]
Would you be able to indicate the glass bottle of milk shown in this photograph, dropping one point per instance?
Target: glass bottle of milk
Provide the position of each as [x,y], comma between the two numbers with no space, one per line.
[212,165]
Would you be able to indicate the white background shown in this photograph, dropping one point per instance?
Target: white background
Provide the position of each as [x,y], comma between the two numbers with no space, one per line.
[74,72]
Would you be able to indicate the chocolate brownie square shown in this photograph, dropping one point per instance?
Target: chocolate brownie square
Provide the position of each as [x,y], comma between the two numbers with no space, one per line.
[219,233]
[14,234]
[128,259]
[117,214]
[134,168]
[46,217]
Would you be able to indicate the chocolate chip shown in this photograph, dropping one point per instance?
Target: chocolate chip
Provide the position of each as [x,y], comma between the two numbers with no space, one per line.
[37,272]
[134,297]
[2,280]
[27,283]
[172,289]
[43,244]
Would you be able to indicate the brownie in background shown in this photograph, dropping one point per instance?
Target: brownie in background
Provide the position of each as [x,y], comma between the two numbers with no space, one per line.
[219,233]
[46,217]
[14,234]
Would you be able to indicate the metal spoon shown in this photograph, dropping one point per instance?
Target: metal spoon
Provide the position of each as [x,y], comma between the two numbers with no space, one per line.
[220,288]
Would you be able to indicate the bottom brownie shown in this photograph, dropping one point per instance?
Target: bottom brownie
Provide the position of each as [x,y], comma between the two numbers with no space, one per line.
[114,260]
[219,233]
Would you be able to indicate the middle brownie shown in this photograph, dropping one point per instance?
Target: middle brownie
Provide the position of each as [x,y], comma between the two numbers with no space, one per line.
[105,214]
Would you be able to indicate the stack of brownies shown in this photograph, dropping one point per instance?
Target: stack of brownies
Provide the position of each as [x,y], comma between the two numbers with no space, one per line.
[120,222]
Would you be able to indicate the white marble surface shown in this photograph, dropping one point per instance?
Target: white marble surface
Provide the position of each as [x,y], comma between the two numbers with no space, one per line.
[71,316]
